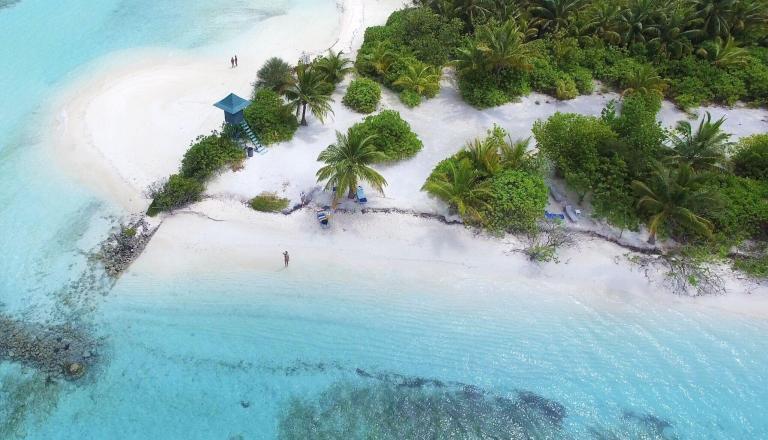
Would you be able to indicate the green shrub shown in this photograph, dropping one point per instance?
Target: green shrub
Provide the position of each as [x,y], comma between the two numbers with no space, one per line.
[516,203]
[363,95]
[751,157]
[268,202]
[429,36]
[572,143]
[177,192]
[209,155]
[756,267]
[585,84]
[742,211]
[391,135]
[270,118]
[410,98]
[565,88]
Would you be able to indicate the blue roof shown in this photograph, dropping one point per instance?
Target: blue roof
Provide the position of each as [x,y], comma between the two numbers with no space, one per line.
[232,104]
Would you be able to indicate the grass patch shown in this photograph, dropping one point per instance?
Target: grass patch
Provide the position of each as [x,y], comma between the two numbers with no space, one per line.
[268,202]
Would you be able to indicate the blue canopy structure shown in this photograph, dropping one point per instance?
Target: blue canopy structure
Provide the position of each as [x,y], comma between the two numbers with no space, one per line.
[233,107]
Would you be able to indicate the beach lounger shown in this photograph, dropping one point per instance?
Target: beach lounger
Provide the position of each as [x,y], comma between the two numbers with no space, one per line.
[572,213]
[553,216]
[361,195]
[556,195]
[323,218]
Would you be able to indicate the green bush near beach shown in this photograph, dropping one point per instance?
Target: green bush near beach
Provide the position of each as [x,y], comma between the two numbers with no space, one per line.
[751,157]
[363,95]
[494,183]
[268,202]
[208,155]
[270,118]
[392,135]
[177,192]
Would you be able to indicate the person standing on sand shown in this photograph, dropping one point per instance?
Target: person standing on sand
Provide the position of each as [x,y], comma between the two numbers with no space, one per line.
[286,258]
[235,60]
[232,63]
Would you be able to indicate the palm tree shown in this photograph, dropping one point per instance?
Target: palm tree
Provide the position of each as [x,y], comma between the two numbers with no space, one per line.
[472,10]
[637,21]
[725,53]
[275,74]
[484,155]
[420,78]
[553,15]
[379,58]
[334,66]
[470,58]
[461,188]
[602,21]
[310,90]
[715,16]
[644,80]
[347,163]
[503,46]
[514,154]
[672,198]
[703,150]
[674,32]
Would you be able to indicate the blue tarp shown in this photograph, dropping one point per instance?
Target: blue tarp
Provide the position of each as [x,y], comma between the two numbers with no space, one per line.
[361,195]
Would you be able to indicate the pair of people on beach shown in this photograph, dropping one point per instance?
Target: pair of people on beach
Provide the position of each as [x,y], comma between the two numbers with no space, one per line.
[233,61]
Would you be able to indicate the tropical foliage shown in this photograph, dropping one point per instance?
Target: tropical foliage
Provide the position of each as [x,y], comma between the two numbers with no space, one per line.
[389,134]
[363,95]
[751,157]
[270,118]
[347,164]
[275,74]
[310,91]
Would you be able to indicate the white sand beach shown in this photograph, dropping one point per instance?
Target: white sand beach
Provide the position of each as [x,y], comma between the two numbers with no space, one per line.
[130,122]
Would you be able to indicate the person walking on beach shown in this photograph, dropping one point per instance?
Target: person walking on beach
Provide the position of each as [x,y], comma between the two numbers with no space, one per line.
[286,258]
[235,60]
[232,63]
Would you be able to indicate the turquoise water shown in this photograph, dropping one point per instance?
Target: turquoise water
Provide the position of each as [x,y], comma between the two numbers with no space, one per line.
[259,355]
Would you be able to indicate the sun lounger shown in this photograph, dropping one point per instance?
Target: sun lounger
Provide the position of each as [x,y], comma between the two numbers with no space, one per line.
[361,195]
[323,218]
[572,213]
[556,195]
[553,216]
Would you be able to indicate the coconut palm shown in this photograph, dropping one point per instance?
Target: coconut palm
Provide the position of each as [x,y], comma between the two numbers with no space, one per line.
[347,162]
[470,58]
[503,46]
[602,21]
[725,53]
[705,149]
[672,197]
[472,10]
[637,21]
[334,66]
[674,33]
[275,74]
[715,16]
[514,154]
[310,91]
[420,78]
[484,155]
[461,188]
[379,58]
[644,80]
[553,15]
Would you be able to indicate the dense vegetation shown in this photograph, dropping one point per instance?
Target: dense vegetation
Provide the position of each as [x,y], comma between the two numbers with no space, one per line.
[681,184]
[408,53]
[493,183]
[389,134]
[206,156]
[270,118]
[363,95]
[268,202]
[693,51]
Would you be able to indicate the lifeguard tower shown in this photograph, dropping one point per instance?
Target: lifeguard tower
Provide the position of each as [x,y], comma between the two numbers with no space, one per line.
[234,107]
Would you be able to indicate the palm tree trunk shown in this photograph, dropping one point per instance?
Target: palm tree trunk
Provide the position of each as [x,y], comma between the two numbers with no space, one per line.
[352,192]
[652,238]
[304,115]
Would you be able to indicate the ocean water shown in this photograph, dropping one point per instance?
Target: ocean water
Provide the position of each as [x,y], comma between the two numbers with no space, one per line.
[259,355]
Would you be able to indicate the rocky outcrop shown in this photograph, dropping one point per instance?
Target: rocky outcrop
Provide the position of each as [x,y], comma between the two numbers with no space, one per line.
[61,351]
[125,245]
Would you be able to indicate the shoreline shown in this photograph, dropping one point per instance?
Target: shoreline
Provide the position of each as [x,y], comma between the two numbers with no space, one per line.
[130,121]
